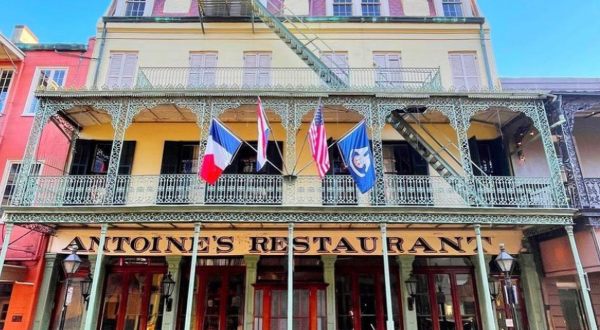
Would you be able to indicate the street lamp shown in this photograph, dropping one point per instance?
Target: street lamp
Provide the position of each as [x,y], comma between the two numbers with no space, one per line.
[86,286]
[506,263]
[411,285]
[494,288]
[70,266]
[167,286]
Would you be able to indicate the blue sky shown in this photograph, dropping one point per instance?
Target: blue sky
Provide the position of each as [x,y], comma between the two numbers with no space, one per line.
[530,37]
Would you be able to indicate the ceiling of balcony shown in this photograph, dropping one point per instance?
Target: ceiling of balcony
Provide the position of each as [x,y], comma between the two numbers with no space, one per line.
[168,113]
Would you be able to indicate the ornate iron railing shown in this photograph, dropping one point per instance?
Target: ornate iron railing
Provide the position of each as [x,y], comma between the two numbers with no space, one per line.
[82,190]
[592,190]
[298,79]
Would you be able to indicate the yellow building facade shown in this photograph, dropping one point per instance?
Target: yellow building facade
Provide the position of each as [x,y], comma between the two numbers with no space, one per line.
[461,169]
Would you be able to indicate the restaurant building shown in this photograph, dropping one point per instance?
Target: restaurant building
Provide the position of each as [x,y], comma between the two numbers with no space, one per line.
[461,168]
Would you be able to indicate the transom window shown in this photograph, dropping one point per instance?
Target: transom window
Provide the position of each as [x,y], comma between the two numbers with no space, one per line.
[452,8]
[5,79]
[371,7]
[342,7]
[46,79]
[135,7]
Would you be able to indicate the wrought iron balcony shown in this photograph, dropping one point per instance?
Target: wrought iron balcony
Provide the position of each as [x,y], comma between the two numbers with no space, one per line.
[287,79]
[240,189]
[589,198]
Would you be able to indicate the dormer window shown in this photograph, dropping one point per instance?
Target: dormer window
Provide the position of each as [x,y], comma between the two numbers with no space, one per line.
[135,7]
[342,7]
[345,8]
[371,7]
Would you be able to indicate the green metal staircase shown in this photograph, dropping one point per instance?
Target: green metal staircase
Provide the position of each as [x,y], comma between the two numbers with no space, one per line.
[308,46]
[433,157]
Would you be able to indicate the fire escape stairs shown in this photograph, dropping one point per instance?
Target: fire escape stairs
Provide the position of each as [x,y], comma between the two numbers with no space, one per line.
[433,157]
[308,51]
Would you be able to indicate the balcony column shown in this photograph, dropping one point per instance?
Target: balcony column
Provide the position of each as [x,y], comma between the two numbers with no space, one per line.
[409,317]
[386,277]
[584,289]
[573,167]
[483,287]
[540,121]
[42,114]
[121,119]
[460,121]
[251,262]
[532,292]
[43,311]
[8,228]
[377,125]
[329,278]
[97,272]
[169,320]
[190,294]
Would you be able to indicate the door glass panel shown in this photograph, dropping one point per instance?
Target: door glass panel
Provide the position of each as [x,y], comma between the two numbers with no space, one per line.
[112,300]
[368,309]
[466,300]
[343,300]
[278,309]
[235,302]
[301,309]
[258,309]
[422,305]
[443,298]
[571,308]
[213,302]
[322,310]
[135,294]
[155,304]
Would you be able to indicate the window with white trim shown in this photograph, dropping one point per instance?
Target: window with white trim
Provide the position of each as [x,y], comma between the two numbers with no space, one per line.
[371,7]
[121,70]
[47,79]
[465,71]
[257,69]
[135,8]
[10,179]
[387,69]
[5,79]
[452,8]
[203,69]
[342,7]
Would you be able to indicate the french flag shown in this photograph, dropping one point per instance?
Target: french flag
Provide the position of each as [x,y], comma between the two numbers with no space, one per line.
[221,147]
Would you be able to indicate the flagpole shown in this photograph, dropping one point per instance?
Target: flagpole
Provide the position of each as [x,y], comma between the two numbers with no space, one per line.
[274,138]
[319,104]
[268,161]
[312,161]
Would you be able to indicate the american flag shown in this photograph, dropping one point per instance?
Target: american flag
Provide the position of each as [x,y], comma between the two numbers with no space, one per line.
[318,142]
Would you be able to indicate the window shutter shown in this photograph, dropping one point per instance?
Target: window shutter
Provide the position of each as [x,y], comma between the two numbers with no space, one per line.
[210,73]
[114,70]
[471,72]
[126,161]
[128,73]
[264,74]
[458,75]
[250,71]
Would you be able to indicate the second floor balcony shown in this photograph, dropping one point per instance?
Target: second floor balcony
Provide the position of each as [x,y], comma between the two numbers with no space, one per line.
[287,79]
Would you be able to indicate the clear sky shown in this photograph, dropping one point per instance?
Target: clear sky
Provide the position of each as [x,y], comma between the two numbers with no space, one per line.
[530,37]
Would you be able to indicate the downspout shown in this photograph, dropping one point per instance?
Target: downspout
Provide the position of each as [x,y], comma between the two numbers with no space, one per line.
[99,57]
[486,60]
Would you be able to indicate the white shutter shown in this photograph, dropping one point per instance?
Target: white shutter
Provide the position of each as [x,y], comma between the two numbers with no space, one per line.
[114,70]
[264,73]
[210,73]
[202,69]
[387,69]
[250,69]
[129,68]
[338,63]
[465,75]
[257,69]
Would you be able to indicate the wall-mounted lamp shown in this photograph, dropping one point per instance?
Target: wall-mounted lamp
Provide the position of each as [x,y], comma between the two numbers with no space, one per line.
[167,286]
[411,286]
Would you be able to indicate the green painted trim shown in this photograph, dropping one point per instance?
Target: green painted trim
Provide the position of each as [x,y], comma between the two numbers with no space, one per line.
[53,47]
[409,318]
[8,228]
[251,262]
[169,321]
[532,292]
[329,279]
[91,316]
[45,304]
[483,288]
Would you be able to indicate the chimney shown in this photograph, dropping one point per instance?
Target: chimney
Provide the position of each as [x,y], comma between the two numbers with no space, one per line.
[23,35]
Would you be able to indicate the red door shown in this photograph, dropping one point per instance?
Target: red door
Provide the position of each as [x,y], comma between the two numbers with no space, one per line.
[310,307]
[446,299]
[220,298]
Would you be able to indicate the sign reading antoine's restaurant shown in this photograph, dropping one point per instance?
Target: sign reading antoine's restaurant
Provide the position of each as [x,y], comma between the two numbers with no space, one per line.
[274,242]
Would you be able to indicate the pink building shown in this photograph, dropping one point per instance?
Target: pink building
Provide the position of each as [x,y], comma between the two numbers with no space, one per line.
[26,64]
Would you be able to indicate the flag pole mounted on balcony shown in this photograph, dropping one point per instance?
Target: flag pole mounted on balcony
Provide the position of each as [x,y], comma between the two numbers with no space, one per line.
[386,277]
[290,279]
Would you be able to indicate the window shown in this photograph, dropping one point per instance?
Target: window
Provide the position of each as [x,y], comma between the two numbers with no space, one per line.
[452,8]
[5,79]
[342,7]
[121,70]
[387,69]
[11,179]
[45,78]
[465,72]
[371,7]
[203,69]
[257,69]
[135,7]
[338,63]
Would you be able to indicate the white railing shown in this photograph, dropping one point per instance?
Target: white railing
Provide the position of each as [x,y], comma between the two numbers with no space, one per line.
[399,190]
